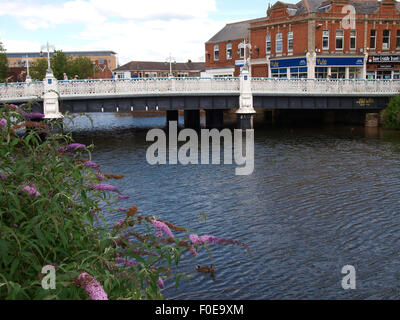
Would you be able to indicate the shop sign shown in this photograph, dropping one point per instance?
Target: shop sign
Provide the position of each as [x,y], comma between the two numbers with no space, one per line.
[384,59]
[285,63]
[345,61]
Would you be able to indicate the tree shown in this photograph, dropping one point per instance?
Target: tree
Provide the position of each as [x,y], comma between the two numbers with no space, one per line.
[391,115]
[3,64]
[38,69]
[82,67]
[60,64]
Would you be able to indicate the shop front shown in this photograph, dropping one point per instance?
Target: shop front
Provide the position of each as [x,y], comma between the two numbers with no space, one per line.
[293,68]
[383,67]
[339,67]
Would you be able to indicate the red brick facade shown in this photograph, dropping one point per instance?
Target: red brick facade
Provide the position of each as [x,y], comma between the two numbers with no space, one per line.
[346,52]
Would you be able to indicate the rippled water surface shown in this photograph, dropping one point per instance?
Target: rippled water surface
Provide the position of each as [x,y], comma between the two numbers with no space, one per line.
[319,199]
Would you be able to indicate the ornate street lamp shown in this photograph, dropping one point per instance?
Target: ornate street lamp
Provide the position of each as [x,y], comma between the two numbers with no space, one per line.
[28,76]
[170,59]
[47,47]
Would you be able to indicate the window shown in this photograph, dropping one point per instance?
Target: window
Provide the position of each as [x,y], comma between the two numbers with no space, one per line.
[241,49]
[325,40]
[268,44]
[398,39]
[355,73]
[339,39]
[372,40]
[338,73]
[279,43]
[216,52]
[396,75]
[371,75]
[279,72]
[386,40]
[229,51]
[321,73]
[290,41]
[353,39]
[298,73]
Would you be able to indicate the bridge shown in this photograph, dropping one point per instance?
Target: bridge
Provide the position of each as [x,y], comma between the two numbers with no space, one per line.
[192,94]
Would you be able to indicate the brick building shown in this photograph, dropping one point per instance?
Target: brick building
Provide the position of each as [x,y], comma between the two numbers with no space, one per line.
[316,39]
[149,69]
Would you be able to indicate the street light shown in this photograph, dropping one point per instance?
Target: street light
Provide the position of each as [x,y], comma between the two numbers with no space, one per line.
[47,47]
[170,59]
[244,45]
[28,77]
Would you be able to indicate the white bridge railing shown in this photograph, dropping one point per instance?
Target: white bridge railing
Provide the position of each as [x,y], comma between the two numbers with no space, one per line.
[81,89]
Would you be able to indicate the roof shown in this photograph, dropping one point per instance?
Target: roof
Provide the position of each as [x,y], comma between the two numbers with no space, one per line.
[162,66]
[234,31]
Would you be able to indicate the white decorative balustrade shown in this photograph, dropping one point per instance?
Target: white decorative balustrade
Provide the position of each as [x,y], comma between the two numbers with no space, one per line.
[81,89]
[21,91]
[324,86]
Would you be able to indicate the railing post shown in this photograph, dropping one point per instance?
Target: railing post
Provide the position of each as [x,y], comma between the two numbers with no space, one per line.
[50,97]
[246,112]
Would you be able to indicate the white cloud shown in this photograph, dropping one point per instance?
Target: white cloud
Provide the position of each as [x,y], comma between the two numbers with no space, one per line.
[135,29]
[20,45]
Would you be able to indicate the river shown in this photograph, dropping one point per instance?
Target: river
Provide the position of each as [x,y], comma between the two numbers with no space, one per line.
[319,198]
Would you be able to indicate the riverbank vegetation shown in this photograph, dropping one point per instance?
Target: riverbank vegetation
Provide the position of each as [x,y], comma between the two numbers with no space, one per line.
[3,64]
[54,201]
[391,115]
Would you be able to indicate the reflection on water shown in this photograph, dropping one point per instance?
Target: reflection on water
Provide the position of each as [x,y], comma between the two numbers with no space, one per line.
[319,199]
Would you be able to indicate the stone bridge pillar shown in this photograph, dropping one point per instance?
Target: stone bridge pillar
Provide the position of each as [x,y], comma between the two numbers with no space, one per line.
[50,97]
[246,112]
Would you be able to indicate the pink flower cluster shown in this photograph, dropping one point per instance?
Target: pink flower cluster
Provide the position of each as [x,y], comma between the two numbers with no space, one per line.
[161,226]
[31,190]
[3,123]
[160,283]
[92,287]
[91,164]
[33,116]
[103,187]
[126,262]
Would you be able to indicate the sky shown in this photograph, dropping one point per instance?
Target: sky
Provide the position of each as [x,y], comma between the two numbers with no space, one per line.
[148,30]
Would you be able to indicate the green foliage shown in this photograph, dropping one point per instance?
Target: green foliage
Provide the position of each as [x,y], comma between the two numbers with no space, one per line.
[81,67]
[391,115]
[3,64]
[38,69]
[60,64]
[52,212]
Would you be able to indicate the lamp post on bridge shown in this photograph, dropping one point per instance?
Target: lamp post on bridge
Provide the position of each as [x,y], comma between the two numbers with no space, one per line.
[170,59]
[246,112]
[50,97]
[28,76]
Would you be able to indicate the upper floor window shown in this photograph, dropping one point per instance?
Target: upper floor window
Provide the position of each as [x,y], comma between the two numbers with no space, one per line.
[339,39]
[372,40]
[268,43]
[290,41]
[229,51]
[386,40]
[279,43]
[216,52]
[241,49]
[325,39]
[353,39]
[398,39]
